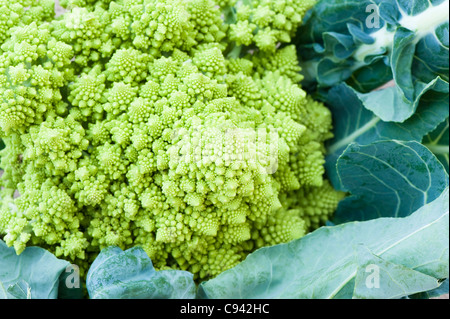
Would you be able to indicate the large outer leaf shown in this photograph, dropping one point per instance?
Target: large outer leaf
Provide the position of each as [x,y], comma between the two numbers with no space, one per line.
[388,179]
[326,263]
[35,268]
[354,123]
[130,275]
[386,284]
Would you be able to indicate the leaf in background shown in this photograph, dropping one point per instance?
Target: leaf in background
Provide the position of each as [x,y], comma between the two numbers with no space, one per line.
[371,77]
[130,275]
[387,179]
[330,72]
[324,263]
[366,43]
[391,105]
[437,142]
[402,56]
[354,123]
[37,267]
[432,55]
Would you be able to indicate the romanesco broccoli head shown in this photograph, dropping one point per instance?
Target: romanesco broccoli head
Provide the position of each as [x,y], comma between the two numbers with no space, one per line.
[176,125]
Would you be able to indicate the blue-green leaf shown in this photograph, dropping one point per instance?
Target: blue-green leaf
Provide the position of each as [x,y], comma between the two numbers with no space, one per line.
[130,274]
[325,263]
[366,43]
[372,77]
[377,278]
[391,105]
[182,283]
[388,179]
[402,56]
[35,267]
[354,123]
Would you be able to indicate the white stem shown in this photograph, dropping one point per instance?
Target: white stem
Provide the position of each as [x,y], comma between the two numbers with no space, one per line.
[426,21]
[352,137]
[422,24]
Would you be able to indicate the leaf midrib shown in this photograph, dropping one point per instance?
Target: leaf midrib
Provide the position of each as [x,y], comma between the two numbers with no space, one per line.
[353,136]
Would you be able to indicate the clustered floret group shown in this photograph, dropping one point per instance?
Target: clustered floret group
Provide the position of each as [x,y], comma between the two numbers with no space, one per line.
[176,125]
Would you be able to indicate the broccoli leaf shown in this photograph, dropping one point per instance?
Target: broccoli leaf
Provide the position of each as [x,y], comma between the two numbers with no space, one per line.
[399,247]
[35,272]
[371,77]
[377,278]
[130,275]
[379,101]
[388,179]
[366,43]
[354,123]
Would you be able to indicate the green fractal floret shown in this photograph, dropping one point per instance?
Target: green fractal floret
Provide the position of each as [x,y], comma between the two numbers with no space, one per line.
[175,125]
[34,65]
[17,13]
[264,23]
